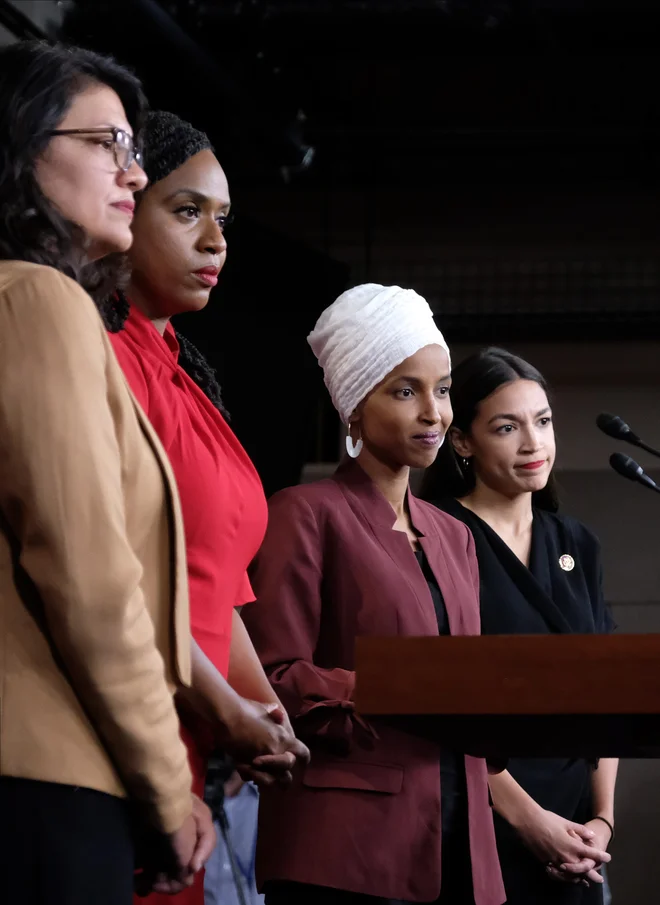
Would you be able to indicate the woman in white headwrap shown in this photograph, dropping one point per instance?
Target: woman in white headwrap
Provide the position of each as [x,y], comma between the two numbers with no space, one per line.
[379,815]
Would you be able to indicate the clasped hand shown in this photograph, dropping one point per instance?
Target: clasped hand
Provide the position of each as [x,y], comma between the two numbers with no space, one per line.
[263,745]
[573,853]
[170,862]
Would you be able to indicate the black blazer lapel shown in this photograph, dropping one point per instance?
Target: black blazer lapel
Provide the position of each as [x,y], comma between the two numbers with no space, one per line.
[524,579]
[552,541]
[493,552]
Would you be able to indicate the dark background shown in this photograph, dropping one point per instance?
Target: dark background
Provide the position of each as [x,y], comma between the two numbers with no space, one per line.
[499,156]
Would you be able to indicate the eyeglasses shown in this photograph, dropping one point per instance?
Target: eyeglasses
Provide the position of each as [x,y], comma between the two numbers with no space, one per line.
[123,146]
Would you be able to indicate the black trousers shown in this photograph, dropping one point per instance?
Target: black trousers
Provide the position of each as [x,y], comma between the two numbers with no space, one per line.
[61,845]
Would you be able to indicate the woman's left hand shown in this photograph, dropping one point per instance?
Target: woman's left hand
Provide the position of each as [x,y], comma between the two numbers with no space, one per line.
[587,868]
[602,834]
[563,846]
[270,769]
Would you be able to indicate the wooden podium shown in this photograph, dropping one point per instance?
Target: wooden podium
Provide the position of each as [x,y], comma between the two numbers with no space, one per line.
[518,695]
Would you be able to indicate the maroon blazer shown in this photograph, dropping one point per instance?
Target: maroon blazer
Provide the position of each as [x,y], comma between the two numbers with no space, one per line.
[365,814]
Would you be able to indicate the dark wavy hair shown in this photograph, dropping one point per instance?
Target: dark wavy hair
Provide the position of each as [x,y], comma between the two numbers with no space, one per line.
[474,380]
[38,83]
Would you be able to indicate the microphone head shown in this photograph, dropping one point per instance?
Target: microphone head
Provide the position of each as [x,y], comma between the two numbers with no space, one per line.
[613,426]
[626,466]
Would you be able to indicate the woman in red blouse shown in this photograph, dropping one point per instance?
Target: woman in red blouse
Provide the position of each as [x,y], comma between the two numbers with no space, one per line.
[179,249]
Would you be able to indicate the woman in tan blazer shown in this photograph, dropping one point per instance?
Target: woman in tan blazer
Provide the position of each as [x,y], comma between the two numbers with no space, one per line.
[94,631]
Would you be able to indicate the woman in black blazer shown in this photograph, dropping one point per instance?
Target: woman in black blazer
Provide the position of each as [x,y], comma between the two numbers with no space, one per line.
[540,572]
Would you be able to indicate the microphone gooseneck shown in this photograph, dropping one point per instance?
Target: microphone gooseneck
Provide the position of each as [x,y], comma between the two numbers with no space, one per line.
[628,468]
[616,427]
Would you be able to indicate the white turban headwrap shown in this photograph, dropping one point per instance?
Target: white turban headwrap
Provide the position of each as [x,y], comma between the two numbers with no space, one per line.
[366,333]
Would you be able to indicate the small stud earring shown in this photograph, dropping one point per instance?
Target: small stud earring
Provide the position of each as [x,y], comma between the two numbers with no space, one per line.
[353,449]
[466,462]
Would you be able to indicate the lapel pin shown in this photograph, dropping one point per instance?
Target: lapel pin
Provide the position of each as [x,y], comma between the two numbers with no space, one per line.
[567,562]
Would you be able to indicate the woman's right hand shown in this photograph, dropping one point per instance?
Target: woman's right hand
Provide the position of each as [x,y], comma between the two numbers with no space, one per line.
[165,860]
[563,846]
[262,743]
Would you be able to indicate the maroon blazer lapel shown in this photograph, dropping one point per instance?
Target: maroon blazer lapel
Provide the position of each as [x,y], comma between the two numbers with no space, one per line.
[377,514]
[398,546]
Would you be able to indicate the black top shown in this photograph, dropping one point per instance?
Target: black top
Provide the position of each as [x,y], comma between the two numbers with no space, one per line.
[453,787]
[545,597]
[560,592]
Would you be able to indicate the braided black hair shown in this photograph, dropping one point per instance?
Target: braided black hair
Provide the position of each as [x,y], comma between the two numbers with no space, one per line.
[168,143]
[197,367]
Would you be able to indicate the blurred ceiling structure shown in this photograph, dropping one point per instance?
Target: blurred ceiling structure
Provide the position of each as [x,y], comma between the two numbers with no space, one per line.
[390,91]
[454,96]
[400,92]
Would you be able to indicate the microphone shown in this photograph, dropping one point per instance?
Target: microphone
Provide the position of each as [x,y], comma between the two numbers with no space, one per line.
[616,427]
[628,468]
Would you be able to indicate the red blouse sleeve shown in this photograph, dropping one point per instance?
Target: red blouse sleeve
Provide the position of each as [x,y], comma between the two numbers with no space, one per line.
[245,593]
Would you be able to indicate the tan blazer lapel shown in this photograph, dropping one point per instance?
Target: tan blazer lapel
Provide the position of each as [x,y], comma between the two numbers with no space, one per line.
[180,599]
